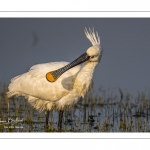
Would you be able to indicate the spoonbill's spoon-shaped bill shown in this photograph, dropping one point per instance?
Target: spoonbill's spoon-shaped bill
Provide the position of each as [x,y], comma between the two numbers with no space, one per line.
[54,75]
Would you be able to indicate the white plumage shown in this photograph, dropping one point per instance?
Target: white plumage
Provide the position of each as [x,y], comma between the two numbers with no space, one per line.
[74,83]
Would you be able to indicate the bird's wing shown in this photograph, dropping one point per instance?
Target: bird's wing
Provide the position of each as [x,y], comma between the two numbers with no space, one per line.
[34,82]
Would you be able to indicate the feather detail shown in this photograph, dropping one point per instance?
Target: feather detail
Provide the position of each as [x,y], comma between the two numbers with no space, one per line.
[93,37]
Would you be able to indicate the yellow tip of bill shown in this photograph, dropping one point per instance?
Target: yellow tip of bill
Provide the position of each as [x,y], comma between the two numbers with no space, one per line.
[50,77]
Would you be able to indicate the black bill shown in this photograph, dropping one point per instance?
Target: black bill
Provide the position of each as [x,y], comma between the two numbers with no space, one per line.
[54,75]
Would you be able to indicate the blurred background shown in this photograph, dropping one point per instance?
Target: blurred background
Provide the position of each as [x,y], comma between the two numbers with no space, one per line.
[25,42]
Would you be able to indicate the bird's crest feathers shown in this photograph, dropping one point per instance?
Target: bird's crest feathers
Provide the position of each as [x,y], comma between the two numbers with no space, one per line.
[92,36]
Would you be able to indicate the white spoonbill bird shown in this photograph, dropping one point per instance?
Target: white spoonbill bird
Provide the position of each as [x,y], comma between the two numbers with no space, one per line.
[55,86]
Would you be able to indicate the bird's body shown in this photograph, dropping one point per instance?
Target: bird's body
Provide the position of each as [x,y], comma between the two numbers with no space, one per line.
[58,85]
[42,94]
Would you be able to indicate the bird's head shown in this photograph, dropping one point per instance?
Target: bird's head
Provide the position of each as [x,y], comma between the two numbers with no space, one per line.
[93,54]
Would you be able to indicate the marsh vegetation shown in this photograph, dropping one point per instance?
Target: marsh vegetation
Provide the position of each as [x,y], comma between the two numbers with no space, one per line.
[101,112]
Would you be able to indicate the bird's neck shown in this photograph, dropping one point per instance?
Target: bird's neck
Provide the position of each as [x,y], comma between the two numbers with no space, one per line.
[83,80]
